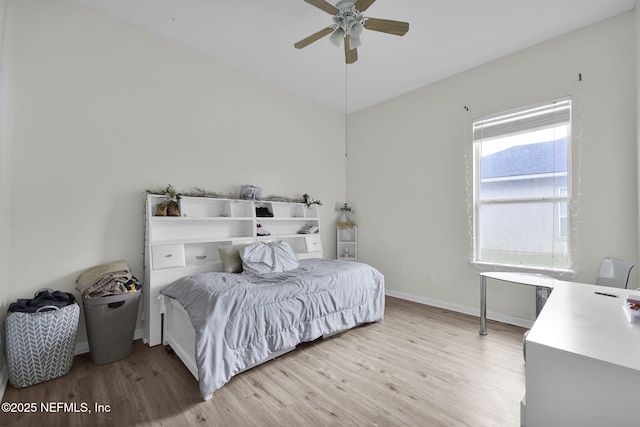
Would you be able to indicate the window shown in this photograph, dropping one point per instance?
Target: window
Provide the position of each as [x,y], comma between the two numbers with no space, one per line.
[522,188]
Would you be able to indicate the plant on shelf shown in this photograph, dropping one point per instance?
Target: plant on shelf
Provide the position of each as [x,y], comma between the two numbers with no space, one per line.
[171,194]
[344,219]
[309,201]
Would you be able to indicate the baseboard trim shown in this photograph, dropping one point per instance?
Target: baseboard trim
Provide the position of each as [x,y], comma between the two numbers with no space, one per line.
[474,311]
[82,347]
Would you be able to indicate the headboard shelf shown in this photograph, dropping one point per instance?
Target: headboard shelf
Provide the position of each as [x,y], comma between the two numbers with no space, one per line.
[220,240]
[199,218]
[177,246]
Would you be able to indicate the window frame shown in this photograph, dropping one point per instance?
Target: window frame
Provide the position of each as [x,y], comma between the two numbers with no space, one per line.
[562,195]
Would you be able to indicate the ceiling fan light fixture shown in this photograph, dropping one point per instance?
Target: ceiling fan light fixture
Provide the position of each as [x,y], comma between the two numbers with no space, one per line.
[354,42]
[337,36]
[355,29]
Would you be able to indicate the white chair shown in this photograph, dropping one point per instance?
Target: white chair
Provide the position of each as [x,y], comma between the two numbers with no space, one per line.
[614,272]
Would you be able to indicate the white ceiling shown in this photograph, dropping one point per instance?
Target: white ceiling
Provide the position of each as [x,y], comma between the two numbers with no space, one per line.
[445,37]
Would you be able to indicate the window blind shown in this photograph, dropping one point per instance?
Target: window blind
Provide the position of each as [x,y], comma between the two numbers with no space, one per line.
[523,120]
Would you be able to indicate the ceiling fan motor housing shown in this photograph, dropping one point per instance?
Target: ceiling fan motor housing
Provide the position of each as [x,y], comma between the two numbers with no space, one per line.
[348,22]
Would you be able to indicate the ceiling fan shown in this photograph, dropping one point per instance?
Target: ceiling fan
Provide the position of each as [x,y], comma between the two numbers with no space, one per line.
[348,23]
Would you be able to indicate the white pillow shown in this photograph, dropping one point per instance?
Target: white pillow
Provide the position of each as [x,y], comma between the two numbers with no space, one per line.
[268,257]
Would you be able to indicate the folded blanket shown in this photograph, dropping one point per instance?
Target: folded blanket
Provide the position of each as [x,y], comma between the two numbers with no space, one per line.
[104,279]
[109,284]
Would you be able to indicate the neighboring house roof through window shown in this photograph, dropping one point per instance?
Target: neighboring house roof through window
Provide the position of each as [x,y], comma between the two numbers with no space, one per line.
[531,159]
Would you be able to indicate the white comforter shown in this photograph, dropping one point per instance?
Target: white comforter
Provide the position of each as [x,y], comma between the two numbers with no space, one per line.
[241,319]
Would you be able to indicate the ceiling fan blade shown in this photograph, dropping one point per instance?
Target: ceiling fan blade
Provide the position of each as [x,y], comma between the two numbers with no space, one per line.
[325,6]
[350,55]
[362,5]
[313,37]
[388,26]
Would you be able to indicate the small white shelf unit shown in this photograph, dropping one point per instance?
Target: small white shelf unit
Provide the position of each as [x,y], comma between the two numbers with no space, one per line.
[347,243]
[179,246]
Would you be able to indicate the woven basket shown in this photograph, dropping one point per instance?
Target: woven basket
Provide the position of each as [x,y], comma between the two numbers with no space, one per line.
[41,345]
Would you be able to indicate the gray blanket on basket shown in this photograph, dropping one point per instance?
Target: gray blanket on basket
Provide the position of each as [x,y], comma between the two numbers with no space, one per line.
[242,319]
[104,279]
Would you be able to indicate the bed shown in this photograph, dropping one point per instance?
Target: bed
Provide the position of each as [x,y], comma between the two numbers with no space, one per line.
[221,324]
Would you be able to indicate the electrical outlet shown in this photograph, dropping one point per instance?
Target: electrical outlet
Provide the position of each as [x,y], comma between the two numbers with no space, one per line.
[403,272]
[430,277]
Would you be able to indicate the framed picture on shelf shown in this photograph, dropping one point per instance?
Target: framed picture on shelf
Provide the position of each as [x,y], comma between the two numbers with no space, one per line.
[249,192]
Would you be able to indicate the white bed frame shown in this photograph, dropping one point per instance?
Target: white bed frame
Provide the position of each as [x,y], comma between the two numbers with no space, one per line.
[180,335]
[179,246]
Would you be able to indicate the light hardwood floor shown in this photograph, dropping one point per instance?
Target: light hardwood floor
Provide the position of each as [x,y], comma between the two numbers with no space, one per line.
[420,366]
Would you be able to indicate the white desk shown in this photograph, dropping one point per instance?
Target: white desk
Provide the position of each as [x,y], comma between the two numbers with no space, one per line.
[541,282]
[583,360]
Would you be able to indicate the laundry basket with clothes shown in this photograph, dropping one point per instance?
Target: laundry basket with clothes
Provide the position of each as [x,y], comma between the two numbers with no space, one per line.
[40,336]
[110,296]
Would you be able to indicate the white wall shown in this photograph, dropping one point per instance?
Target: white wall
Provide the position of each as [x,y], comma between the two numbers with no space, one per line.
[408,163]
[5,176]
[103,111]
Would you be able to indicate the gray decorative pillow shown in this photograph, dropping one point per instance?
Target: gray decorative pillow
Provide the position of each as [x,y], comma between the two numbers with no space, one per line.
[230,258]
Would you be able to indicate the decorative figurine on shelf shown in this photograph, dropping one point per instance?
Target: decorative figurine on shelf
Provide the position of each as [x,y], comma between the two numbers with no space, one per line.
[161,209]
[173,197]
[173,209]
[344,219]
[346,253]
